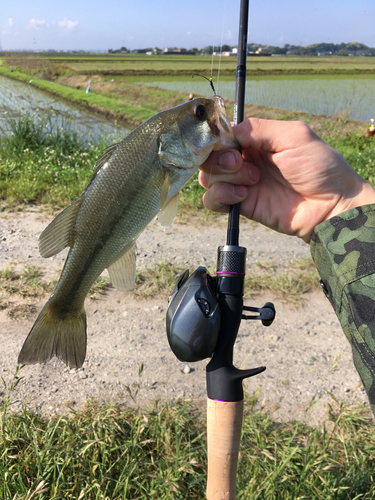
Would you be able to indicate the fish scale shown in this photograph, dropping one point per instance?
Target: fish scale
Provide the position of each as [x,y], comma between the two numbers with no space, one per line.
[134,182]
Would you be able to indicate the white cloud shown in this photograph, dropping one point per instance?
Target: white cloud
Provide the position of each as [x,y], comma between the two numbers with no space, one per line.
[8,27]
[67,25]
[38,24]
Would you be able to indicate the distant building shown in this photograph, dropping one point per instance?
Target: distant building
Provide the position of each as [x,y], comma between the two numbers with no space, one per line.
[170,50]
[226,53]
[175,50]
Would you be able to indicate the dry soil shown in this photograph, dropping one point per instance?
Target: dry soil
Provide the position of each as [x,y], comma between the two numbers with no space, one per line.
[309,361]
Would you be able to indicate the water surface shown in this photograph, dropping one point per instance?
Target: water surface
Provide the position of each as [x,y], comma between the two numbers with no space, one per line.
[332,97]
[17,97]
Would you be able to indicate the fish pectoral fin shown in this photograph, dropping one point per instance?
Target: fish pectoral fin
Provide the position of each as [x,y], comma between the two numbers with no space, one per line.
[167,214]
[122,271]
[59,233]
[165,190]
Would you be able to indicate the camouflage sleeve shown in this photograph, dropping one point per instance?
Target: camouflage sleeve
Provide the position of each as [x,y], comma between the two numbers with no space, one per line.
[343,249]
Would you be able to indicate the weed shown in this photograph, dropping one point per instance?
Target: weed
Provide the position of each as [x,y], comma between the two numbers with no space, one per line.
[157,280]
[101,285]
[290,282]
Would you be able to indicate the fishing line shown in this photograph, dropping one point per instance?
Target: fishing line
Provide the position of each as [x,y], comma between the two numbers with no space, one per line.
[208,79]
[212,58]
[221,44]
[212,66]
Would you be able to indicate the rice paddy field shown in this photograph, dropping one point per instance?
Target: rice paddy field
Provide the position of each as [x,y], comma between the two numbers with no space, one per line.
[174,64]
[332,86]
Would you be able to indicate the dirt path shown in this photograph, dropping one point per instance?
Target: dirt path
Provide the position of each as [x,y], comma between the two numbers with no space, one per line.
[307,356]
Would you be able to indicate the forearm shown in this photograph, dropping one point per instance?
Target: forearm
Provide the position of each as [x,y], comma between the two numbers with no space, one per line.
[343,249]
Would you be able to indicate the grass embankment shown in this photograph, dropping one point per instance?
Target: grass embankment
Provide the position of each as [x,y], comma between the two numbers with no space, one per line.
[103,453]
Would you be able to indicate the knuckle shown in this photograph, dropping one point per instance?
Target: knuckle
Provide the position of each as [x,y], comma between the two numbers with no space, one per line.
[303,130]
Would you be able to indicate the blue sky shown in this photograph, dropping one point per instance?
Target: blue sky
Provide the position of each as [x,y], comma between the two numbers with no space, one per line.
[94,24]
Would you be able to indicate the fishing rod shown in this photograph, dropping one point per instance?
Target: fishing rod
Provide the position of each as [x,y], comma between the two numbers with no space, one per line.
[203,318]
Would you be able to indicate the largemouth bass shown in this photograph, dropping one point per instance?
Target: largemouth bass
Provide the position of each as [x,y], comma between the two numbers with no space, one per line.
[134,181]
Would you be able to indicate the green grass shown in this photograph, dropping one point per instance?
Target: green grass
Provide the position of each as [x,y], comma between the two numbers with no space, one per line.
[160,279]
[107,452]
[359,152]
[289,282]
[43,163]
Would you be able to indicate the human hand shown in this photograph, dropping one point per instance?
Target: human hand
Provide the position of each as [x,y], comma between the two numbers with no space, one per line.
[287,178]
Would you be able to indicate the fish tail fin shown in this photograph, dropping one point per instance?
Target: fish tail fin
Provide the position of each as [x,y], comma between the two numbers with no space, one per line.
[53,334]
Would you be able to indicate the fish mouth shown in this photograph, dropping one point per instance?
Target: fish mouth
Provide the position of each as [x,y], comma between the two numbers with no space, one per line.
[221,126]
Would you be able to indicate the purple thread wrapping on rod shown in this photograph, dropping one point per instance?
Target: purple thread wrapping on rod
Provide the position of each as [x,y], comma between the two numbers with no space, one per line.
[224,401]
[228,272]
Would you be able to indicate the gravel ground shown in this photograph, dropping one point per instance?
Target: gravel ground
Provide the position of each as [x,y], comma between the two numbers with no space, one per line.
[307,356]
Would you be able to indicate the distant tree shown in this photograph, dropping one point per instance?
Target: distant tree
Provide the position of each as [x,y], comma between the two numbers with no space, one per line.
[226,48]
[309,50]
[325,47]
[277,50]
[356,46]
[343,52]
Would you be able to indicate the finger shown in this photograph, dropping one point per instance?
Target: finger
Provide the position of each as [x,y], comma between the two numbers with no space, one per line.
[247,176]
[273,135]
[221,195]
[223,162]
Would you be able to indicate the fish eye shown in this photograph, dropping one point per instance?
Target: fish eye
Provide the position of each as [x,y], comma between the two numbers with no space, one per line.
[200,112]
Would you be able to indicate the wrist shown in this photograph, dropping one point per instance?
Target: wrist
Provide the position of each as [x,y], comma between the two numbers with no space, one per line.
[364,195]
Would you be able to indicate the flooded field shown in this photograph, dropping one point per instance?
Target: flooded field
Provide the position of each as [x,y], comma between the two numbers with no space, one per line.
[331,97]
[17,97]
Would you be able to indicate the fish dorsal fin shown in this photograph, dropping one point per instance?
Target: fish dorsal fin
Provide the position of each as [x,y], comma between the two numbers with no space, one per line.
[167,214]
[106,155]
[165,190]
[59,233]
[102,160]
[122,271]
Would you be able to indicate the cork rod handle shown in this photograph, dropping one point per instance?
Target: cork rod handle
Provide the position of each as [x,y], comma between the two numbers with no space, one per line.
[224,423]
